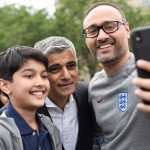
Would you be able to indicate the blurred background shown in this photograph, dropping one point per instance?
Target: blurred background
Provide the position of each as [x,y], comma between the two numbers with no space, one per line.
[24,22]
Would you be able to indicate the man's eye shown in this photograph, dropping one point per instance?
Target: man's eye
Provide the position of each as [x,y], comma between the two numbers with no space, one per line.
[92,30]
[72,66]
[109,26]
[53,69]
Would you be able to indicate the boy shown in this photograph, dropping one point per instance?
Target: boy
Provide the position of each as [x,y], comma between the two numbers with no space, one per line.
[24,79]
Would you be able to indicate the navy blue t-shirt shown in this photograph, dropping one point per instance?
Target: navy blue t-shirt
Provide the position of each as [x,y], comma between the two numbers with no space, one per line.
[30,138]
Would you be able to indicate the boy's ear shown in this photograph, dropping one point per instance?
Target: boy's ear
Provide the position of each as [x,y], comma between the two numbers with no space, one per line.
[4,86]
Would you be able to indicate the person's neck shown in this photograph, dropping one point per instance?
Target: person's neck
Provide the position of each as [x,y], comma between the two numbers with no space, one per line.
[111,69]
[60,102]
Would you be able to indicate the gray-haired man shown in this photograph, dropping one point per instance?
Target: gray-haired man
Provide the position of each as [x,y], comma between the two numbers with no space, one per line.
[67,102]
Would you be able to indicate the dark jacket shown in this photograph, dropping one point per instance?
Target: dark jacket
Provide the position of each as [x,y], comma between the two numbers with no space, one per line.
[85,134]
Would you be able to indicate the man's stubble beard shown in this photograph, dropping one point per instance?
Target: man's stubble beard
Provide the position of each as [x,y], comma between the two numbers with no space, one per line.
[110,61]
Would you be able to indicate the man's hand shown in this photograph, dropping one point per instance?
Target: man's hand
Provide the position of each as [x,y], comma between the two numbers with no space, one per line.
[143,83]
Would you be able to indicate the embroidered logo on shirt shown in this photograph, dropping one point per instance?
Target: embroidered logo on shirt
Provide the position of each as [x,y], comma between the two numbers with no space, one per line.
[123,101]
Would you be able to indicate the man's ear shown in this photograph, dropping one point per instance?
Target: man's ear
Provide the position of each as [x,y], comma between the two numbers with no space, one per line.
[128,30]
[4,86]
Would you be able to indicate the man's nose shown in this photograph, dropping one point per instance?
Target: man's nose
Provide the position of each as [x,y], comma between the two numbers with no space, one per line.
[65,73]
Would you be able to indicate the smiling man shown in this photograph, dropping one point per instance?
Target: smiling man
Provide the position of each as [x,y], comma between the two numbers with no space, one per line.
[67,101]
[111,92]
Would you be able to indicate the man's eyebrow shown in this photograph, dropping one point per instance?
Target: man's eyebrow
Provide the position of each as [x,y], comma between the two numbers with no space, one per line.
[92,26]
[97,25]
[54,65]
[72,61]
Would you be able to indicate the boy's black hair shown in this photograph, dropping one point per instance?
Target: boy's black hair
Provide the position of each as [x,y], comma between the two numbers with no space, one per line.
[13,58]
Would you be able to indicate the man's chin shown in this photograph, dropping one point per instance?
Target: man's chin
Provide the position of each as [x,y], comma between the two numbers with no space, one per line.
[67,93]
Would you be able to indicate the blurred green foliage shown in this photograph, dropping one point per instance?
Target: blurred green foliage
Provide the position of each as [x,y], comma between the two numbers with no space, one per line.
[22,26]
[19,26]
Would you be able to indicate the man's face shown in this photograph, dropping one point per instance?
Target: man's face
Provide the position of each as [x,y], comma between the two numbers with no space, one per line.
[29,86]
[62,74]
[107,47]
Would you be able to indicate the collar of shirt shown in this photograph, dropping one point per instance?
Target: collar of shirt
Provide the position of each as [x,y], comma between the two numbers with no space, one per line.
[49,103]
[66,121]
[29,135]
[22,125]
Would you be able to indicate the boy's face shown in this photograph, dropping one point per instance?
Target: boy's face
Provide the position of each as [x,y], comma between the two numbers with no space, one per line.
[29,86]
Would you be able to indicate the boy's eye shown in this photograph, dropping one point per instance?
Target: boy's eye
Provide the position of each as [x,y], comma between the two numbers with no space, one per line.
[45,76]
[29,76]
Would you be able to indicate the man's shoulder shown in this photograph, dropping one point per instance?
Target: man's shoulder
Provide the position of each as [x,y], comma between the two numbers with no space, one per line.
[98,77]
[82,86]
[81,91]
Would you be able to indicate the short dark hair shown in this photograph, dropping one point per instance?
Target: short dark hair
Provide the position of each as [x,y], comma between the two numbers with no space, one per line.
[107,4]
[13,58]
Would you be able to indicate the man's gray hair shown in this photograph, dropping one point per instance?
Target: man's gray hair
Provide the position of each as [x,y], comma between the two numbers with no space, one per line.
[54,44]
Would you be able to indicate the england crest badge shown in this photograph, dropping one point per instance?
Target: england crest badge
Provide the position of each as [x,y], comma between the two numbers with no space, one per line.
[123,101]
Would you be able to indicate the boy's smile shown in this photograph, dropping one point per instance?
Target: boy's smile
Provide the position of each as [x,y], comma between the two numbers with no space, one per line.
[31,83]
